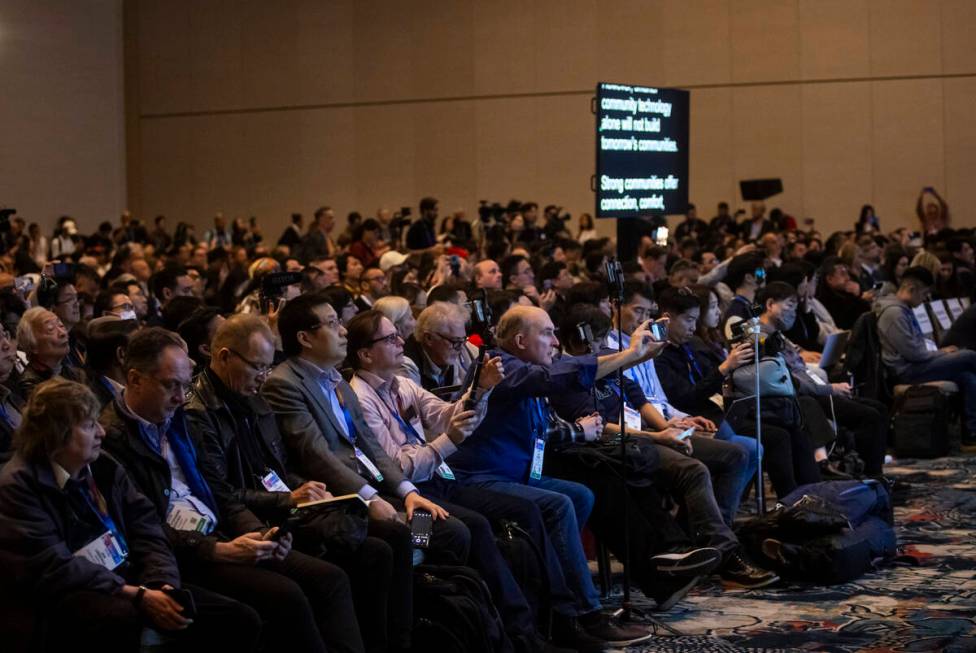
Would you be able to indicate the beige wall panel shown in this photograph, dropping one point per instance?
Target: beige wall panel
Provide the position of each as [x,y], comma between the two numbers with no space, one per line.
[217,74]
[565,42]
[836,153]
[767,140]
[694,42]
[765,41]
[958,36]
[960,150]
[220,165]
[905,37]
[834,39]
[908,149]
[168,167]
[385,148]
[711,156]
[566,144]
[504,47]
[329,159]
[383,51]
[443,58]
[444,144]
[165,59]
[629,37]
[506,149]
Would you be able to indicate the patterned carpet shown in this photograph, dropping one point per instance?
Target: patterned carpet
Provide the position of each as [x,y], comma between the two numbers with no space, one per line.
[929,607]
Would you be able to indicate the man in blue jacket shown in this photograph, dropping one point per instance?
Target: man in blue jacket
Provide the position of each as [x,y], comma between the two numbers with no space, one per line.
[506,452]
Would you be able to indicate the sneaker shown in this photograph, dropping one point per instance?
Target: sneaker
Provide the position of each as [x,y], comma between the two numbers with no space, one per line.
[567,633]
[667,593]
[598,625]
[693,562]
[741,571]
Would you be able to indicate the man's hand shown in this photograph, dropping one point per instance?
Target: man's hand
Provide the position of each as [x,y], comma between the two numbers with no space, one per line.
[669,438]
[840,389]
[284,543]
[381,510]
[692,422]
[164,612]
[532,293]
[950,349]
[247,549]
[462,425]
[492,373]
[810,356]
[740,355]
[592,426]
[414,501]
[310,491]
[547,299]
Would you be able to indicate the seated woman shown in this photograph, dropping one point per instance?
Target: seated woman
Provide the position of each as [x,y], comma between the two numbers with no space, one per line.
[87,549]
[692,374]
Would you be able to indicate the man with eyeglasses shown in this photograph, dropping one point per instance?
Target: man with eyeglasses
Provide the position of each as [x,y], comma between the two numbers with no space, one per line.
[246,460]
[10,403]
[44,337]
[303,600]
[434,350]
[373,286]
[327,438]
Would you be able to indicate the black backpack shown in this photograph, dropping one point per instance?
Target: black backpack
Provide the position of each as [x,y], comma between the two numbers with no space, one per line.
[920,427]
[528,565]
[863,360]
[454,613]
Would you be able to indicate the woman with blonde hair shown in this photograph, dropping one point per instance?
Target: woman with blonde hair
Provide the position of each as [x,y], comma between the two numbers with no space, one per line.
[397,310]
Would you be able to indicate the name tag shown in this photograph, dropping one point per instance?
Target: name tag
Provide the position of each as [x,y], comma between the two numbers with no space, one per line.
[104,550]
[816,379]
[537,458]
[632,418]
[445,472]
[273,483]
[368,464]
[930,345]
[182,518]
[717,400]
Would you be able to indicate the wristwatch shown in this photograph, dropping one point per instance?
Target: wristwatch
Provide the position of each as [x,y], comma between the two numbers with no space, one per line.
[137,599]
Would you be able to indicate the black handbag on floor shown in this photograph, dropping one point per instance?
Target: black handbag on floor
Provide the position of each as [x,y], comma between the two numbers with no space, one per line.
[920,427]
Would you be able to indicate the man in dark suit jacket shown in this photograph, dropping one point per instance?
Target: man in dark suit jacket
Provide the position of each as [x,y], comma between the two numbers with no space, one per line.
[327,438]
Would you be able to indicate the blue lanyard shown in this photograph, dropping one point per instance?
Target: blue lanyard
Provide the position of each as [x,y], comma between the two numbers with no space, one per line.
[350,434]
[96,502]
[542,422]
[406,426]
[4,415]
[692,365]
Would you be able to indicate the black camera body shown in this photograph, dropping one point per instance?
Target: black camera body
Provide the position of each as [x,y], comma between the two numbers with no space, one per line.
[273,286]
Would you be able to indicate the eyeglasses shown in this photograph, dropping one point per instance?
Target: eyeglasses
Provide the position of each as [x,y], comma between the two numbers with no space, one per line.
[259,370]
[123,307]
[331,324]
[456,343]
[390,339]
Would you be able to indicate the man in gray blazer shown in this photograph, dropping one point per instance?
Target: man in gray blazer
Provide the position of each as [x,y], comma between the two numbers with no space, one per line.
[328,440]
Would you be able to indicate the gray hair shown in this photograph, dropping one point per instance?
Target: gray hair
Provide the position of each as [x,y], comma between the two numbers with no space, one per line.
[393,307]
[436,316]
[30,321]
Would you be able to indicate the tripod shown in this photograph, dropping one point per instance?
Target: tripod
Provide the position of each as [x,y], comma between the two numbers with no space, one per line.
[627,611]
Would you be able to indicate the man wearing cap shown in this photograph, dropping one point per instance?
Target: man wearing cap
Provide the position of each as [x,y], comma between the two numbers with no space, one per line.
[108,337]
[391,260]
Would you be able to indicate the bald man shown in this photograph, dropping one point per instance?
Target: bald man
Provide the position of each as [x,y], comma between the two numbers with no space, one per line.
[488,275]
[506,453]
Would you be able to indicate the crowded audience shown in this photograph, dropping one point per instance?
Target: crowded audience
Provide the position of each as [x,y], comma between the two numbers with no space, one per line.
[228,442]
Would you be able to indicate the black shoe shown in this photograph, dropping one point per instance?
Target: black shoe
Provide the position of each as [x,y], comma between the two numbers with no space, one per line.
[598,625]
[567,632]
[693,562]
[667,593]
[829,472]
[741,571]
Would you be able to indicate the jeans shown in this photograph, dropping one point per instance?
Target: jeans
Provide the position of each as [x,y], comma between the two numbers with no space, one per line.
[565,506]
[727,463]
[691,483]
[958,367]
[737,487]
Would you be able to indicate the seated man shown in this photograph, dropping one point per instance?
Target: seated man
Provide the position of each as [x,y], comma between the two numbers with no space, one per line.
[43,336]
[246,462]
[11,404]
[703,473]
[866,418]
[108,337]
[420,432]
[303,600]
[85,547]
[840,295]
[745,276]
[904,349]
[321,422]
[436,356]
[506,453]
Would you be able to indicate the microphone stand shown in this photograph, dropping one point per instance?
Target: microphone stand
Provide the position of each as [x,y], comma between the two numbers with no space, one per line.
[760,489]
